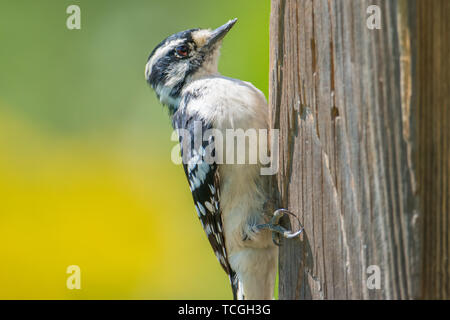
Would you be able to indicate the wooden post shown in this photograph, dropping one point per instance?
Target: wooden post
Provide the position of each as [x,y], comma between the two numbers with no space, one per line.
[364,150]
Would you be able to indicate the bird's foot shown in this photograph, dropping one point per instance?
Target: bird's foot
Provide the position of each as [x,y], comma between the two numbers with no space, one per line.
[277,229]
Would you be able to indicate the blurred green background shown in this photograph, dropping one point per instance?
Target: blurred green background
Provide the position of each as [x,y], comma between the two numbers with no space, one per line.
[85,170]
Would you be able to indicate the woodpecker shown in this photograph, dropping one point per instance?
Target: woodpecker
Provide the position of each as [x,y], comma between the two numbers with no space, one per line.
[231,199]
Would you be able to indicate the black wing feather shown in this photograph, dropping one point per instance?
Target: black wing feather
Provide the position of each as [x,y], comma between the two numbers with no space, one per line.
[204,181]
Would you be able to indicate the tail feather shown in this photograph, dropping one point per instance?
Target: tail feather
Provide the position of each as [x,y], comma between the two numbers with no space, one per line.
[236,286]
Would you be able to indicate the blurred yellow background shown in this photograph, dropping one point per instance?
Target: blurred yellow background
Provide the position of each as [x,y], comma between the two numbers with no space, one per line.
[85,172]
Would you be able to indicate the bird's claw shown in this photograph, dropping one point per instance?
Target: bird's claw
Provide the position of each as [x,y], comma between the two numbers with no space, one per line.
[277,229]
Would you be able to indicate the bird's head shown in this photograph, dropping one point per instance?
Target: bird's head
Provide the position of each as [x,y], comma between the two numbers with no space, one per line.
[181,58]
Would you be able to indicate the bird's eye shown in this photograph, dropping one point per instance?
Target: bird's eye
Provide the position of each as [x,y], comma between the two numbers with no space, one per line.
[182,51]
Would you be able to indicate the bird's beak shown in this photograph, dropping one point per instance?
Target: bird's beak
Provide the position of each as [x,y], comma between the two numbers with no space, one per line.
[219,33]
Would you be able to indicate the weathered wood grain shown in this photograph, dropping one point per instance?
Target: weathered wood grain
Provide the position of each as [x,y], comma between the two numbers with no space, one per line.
[364,156]
[433,149]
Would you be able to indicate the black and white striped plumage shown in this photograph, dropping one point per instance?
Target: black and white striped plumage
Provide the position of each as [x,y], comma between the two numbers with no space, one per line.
[229,198]
[204,182]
